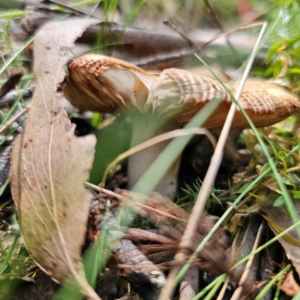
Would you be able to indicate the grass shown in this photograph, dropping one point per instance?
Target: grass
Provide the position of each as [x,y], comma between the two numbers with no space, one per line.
[281,151]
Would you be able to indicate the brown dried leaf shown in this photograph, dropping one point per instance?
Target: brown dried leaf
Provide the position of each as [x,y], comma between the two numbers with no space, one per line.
[280,220]
[50,165]
[290,286]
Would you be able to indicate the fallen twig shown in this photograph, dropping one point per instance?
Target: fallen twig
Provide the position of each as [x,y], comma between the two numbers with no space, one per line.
[14,95]
[14,118]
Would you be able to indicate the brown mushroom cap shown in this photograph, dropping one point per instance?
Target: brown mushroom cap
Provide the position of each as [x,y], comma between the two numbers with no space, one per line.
[105,84]
[266,103]
[179,94]
[100,83]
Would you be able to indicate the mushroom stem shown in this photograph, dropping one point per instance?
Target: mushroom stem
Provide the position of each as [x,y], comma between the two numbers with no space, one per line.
[145,127]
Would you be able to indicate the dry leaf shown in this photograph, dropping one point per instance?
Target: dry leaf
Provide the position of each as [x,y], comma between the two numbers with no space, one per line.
[290,285]
[290,242]
[50,165]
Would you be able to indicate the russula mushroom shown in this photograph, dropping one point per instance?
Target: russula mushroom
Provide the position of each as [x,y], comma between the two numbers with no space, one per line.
[104,84]
[179,94]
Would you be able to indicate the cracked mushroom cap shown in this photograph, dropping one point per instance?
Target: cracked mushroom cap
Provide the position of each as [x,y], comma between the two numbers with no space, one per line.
[179,95]
[100,83]
[105,84]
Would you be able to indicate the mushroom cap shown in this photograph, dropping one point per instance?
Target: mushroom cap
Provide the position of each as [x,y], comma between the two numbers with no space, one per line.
[179,95]
[104,84]
[100,83]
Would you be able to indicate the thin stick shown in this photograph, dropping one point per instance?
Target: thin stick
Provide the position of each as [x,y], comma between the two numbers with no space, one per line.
[105,191]
[238,291]
[230,32]
[186,38]
[140,204]
[221,294]
[14,119]
[71,9]
[208,181]
[200,48]
[14,95]
[215,18]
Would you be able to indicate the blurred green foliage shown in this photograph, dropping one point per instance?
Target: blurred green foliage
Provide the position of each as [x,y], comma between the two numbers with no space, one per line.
[112,140]
[283,59]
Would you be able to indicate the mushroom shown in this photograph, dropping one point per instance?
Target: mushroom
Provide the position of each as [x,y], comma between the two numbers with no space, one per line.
[160,103]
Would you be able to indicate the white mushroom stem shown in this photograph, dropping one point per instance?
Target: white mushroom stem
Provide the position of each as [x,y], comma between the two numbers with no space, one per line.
[145,127]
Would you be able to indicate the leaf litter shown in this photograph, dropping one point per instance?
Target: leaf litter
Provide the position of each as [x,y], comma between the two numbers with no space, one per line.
[26,184]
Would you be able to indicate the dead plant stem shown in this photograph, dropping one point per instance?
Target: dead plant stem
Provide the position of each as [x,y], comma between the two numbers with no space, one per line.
[138,203]
[14,118]
[208,182]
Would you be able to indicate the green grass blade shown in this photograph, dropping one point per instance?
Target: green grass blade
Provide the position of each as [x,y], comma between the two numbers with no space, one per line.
[96,256]
[13,14]
[276,238]
[13,57]
[94,260]
[4,186]
[8,256]
[221,279]
[252,185]
[263,292]
[14,105]
[297,297]
[215,288]
[156,171]
[23,78]
[289,204]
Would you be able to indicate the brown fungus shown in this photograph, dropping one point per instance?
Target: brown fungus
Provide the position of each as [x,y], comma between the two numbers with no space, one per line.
[160,103]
